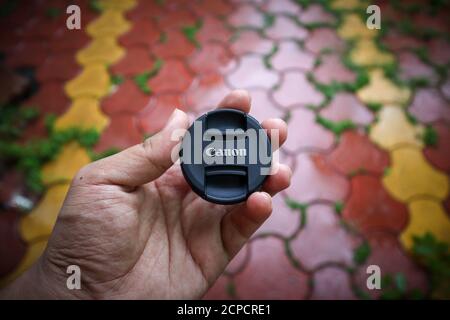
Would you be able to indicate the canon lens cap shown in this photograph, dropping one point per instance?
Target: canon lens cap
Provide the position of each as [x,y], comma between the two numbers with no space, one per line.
[225,156]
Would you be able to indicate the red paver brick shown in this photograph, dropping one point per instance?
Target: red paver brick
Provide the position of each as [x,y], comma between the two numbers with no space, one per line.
[41,27]
[283,221]
[428,106]
[219,8]
[12,248]
[145,10]
[121,133]
[128,99]
[411,67]
[290,56]
[206,95]
[136,60]
[439,155]
[296,90]
[176,19]
[262,106]
[252,73]
[250,41]
[306,133]
[246,15]
[175,46]
[387,253]
[314,179]
[173,77]
[323,240]
[219,290]
[324,39]
[332,70]
[345,106]
[281,6]
[212,59]
[316,14]
[144,32]
[269,274]
[68,40]
[213,30]
[332,284]
[11,182]
[50,98]
[285,28]
[239,261]
[437,22]
[439,51]
[370,207]
[155,115]
[28,54]
[355,152]
[396,41]
[60,66]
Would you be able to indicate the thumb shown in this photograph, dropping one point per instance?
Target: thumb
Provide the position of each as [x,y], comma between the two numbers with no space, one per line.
[141,163]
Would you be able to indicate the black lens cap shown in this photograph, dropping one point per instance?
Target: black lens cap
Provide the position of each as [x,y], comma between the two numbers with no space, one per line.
[225,156]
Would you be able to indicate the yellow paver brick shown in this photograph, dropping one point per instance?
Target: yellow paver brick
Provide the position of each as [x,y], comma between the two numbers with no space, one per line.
[123,5]
[353,28]
[366,53]
[93,81]
[84,113]
[34,251]
[393,129]
[111,23]
[426,216]
[411,176]
[39,222]
[101,50]
[64,167]
[382,90]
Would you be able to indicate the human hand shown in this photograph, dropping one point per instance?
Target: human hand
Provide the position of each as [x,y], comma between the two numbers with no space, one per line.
[136,229]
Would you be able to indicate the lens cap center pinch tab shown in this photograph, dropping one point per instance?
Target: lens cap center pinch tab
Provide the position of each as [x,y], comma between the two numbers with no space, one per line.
[226,156]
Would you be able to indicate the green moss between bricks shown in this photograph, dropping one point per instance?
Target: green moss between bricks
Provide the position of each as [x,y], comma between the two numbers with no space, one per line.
[361,253]
[141,80]
[336,127]
[190,32]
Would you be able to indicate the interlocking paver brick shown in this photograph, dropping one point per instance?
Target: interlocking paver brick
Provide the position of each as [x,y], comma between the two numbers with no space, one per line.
[314,179]
[269,267]
[49,99]
[411,176]
[438,155]
[135,61]
[281,6]
[324,39]
[122,5]
[69,40]
[285,28]
[353,27]
[393,129]
[111,23]
[176,19]
[386,252]
[39,222]
[411,67]
[396,41]
[356,153]
[28,54]
[296,90]
[102,50]
[345,106]
[331,69]
[445,88]
[58,67]
[426,216]
[205,95]
[155,115]
[439,51]
[348,4]
[332,284]
[428,106]
[173,77]
[302,124]
[250,41]
[323,240]
[252,73]
[382,90]
[212,59]
[246,15]
[93,81]
[371,208]
[213,29]
[316,14]
[366,53]
[135,37]
[121,133]
[219,8]
[84,113]
[290,56]
[12,248]
[145,10]
[262,106]
[63,168]
[127,99]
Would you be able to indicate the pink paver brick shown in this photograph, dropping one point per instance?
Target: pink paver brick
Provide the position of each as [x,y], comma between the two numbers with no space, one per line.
[314,179]
[239,261]
[316,14]
[428,106]
[270,274]
[219,290]
[396,41]
[281,6]
[286,28]
[296,90]
[251,73]
[332,70]
[324,39]
[213,30]
[323,240]
[439,51]
[263,107]
[250,41]
[346,106]
[411,67]
[445,88]
[246,15]
[206,95]
[127,99]
[332,284]
[306,133]
[290,56]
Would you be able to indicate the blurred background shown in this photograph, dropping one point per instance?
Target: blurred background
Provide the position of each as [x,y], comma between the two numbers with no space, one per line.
[368,114]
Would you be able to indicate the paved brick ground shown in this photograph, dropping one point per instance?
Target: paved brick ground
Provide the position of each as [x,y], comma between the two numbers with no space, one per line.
[368,114]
